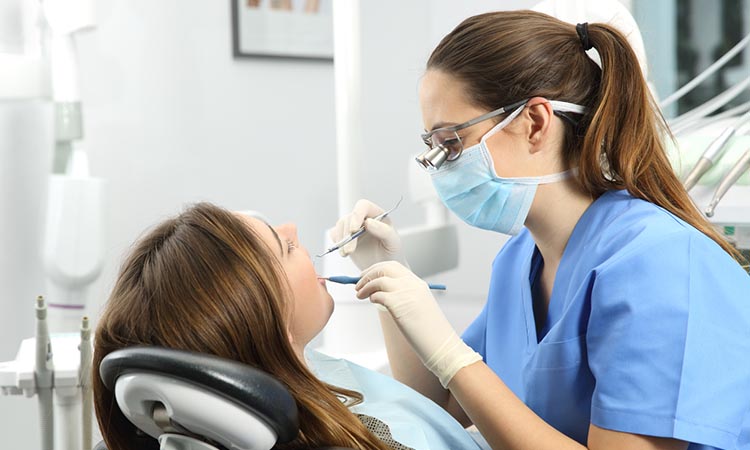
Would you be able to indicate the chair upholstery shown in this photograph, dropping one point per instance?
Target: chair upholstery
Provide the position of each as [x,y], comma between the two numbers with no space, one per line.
[250,388]
[246,386]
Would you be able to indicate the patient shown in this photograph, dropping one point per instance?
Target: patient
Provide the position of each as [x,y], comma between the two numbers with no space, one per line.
[226,284]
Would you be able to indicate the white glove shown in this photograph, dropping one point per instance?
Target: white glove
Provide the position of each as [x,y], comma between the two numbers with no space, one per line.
[409,301]
[379,243]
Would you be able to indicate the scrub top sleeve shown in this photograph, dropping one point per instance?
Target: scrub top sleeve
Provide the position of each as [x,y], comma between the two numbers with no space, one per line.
[665,343]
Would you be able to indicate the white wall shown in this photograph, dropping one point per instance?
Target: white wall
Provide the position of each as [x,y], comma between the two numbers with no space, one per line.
[171,118]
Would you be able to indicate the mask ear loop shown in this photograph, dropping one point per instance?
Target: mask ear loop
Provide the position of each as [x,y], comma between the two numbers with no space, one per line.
[556,106]
[504,123]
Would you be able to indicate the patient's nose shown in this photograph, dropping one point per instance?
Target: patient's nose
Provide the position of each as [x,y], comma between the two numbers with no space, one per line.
[287,229]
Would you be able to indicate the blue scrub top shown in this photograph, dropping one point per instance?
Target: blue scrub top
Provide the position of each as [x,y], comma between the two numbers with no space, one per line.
[648,329]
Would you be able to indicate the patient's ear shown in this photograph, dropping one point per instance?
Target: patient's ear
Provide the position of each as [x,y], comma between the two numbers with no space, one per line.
[290,336]
[298,348]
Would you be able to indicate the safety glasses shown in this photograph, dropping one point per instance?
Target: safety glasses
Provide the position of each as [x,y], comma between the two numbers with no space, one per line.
[444,144]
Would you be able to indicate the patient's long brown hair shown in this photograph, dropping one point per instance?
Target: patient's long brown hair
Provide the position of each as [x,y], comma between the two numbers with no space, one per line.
[205,282]
[506,56]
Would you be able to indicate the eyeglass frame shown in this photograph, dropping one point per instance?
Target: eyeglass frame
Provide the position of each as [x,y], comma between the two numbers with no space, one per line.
[453,128]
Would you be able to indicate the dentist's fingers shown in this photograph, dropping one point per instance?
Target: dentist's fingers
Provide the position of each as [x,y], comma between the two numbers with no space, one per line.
[366,208]
[384,300]
[391,269]
[382,284]
[354,223]
[349,248]
[357,218]
[337,232]
[384,232]
[381,299]
[371,273]
[363,210]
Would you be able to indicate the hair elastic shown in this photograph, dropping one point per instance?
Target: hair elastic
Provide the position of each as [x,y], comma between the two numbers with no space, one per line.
[583,34]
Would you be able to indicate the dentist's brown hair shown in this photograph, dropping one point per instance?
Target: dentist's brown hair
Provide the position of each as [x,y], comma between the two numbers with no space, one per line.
[506,56]
[205,282]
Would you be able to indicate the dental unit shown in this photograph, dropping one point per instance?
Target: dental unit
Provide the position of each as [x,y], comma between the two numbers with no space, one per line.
[714,152]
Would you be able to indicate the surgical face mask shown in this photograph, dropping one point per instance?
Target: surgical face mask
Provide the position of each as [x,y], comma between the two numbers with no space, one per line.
[471,189]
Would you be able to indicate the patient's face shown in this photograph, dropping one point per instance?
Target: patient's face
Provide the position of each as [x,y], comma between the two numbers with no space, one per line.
[313,304]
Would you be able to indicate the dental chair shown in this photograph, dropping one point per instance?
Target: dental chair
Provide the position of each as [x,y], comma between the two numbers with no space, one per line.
[192,401]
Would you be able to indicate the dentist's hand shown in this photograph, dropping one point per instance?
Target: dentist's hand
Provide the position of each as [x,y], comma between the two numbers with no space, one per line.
[379,243]
[409,301]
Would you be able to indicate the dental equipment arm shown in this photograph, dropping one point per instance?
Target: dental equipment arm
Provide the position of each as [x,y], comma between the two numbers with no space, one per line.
[43,375]
[706,73]
[714,152]
[729,179]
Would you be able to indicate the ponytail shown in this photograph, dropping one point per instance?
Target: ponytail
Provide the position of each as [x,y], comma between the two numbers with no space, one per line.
[623,146]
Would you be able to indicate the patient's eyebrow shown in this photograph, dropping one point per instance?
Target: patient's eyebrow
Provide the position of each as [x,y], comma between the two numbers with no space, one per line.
[276,235]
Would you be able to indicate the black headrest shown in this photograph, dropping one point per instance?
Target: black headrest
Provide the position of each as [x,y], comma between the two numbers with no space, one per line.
[246,386]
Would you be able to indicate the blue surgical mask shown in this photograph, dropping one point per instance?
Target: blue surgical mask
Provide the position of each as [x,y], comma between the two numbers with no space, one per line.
[471,189]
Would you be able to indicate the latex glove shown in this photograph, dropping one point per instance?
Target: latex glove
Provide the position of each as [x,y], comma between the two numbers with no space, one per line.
[409,301]
[379,243]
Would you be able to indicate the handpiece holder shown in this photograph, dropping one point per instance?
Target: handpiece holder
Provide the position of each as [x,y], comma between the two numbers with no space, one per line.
[50,367]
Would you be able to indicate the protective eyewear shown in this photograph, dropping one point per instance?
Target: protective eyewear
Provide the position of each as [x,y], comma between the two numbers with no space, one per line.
[444,144]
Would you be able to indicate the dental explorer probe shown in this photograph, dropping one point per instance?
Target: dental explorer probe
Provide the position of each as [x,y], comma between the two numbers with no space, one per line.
[729,179]
[713,153]
[44,375]
[343,279]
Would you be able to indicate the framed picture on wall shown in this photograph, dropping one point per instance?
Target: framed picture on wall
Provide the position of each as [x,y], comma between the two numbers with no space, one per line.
[282,28]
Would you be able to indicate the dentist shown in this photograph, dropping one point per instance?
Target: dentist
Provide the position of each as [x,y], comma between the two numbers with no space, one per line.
[617,317]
